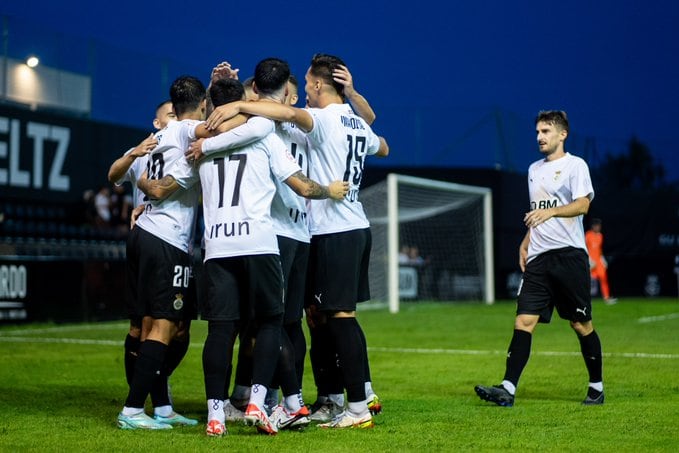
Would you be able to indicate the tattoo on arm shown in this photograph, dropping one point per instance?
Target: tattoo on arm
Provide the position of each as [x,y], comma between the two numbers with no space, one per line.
[314,190]
[167,182]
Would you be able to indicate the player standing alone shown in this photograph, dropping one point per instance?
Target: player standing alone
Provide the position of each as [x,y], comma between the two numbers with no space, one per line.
[554,260]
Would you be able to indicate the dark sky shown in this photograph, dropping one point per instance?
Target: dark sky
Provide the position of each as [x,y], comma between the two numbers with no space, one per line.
[452,83]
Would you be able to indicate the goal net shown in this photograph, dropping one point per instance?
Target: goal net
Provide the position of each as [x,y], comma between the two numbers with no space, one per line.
[432,240]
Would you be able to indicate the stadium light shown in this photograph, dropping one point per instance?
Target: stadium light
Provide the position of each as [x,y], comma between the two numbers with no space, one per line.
[32,61]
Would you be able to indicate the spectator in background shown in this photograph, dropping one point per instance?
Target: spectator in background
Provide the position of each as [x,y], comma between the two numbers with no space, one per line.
[102,204]
[594,239]
[121,207]
[89,211]
[404,255]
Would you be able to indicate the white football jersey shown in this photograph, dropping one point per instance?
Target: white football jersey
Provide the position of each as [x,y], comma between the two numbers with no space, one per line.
[338,145]
[289,210]
[171,219]
[133,173]
[558,183]
[238,188]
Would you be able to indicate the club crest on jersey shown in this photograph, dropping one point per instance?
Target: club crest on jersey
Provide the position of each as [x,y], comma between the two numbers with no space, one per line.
[178,303]
[557,174]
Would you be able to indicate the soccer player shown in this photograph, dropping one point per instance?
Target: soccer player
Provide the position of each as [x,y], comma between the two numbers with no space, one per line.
[159,259]
[339,141]
[553,258]
[129,167]
[594,239]
[242,260]
[288,212]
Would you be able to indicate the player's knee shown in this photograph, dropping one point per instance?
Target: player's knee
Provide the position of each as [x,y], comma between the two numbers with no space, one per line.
[582,328]
[526,323]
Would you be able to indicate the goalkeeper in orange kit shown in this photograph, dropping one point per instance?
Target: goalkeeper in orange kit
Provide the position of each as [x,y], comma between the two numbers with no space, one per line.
[594,239]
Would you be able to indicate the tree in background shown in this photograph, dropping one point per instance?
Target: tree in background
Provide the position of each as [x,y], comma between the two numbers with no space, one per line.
[637,170]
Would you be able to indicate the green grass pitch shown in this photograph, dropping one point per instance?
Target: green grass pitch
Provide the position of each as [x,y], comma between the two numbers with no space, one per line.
[61,386]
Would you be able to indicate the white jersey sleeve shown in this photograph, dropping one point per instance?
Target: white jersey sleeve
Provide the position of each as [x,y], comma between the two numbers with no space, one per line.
[552,184]
[184,173]
[254,129]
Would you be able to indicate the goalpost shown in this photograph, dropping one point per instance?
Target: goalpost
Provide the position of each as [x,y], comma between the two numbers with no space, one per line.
[446,229]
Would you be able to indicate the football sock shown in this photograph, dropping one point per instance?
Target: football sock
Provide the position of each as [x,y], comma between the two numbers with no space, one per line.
[243,379]
[296,335]
[267,350]
[598,386]
[510,387]
[151,356]
[590,346]
[257,395]
[517,355]
[348,342]
[367,362]
[163,411]
[215,410]
[217,354]
[286,374]
[294,402]
[369,389]
[131,353]
[176,351]
[337,399]
[160,390]
[240,395]
[358,409]
[271,398]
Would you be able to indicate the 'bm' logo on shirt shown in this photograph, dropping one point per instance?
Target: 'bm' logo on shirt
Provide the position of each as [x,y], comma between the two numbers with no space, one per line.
[544,204]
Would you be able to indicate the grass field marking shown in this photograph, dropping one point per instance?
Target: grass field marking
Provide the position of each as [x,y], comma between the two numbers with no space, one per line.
[68,328]
[89,341]
[647,319]
[83,341]
[639,355]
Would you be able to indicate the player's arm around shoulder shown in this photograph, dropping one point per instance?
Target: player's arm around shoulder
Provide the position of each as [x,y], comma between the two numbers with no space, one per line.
[277,112]
[308,188]
[157,189]
[120,166]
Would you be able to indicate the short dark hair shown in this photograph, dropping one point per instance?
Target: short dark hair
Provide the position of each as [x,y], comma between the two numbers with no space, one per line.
[271,74]
[247,83]
[186,93]
[163,103]
[553,117]
[322,66]
[223,91]
[293,80]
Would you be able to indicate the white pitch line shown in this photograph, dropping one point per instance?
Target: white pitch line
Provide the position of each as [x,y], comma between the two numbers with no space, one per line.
[68,328]
[648,319]
[86,341]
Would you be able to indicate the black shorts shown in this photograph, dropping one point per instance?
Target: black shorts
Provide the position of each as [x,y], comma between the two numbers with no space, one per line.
[243,288]
[294,260]
[159,280]
[557,278]
[337,277]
